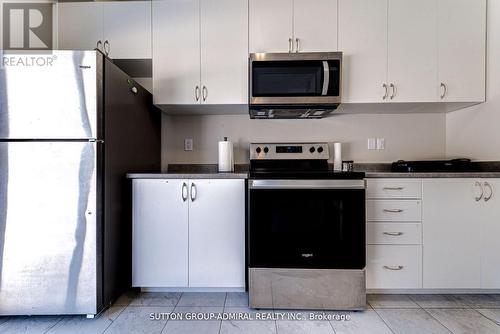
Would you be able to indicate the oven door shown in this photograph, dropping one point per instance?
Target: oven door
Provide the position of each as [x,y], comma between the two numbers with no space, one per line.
[291,79]
[316,224]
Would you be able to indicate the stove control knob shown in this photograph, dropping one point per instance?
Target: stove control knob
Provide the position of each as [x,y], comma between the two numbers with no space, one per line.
[258,150]
[320,149]
[312,149]
[266,149]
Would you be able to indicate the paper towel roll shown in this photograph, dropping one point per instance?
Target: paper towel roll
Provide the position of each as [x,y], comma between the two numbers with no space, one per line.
[337,157]
[226,160]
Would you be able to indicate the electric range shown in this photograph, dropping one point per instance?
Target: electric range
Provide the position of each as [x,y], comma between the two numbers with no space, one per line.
[306,230]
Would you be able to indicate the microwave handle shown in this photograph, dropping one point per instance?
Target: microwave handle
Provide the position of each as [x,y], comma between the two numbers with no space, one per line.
[326,77]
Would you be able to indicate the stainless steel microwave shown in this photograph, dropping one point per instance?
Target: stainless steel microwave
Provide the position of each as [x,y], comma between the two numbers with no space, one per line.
[294,85]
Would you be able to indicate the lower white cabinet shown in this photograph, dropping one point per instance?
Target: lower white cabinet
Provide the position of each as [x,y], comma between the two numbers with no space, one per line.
[490,233]
[393,267]
[159,234]
[454,246]
[188,233]
[217,234]
[452,222]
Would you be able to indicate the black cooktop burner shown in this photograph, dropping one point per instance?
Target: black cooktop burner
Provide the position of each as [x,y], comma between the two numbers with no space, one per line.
[432,166]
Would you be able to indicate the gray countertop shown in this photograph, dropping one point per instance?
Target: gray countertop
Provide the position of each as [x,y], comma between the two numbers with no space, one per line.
[369,175]
[432,175]
[188,176]
[372,170]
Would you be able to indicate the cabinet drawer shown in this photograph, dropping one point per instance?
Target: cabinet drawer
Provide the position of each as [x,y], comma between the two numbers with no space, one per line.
[393,267]
[394,234]
[393,210]
[393,188]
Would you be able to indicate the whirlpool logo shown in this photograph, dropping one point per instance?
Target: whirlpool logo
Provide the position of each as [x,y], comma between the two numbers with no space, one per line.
[27,26]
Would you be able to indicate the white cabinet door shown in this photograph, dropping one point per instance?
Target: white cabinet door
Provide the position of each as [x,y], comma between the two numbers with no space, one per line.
[159,233]
[127,27]
[412,50]
[217,233]
[224,51]
[363,40]
[462,47]
[270,25]
[315,25]
[451,238]
[489,216]
[176,51]
[80,25]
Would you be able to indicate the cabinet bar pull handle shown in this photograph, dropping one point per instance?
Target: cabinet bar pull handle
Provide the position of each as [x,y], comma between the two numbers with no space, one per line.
[107,47]
[193,192]
[290,45]
[394,188]
[393,87]
[393,267]
[184,192]
[297,45]
[204,92]
[488,186]
[478,198]
[393,210]
[197,93]
[394,234]
[386,91]
[445,90]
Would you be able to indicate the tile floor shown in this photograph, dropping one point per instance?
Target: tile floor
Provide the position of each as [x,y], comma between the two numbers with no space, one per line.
[390,314]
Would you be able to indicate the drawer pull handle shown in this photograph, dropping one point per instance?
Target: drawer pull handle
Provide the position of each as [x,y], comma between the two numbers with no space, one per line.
[393,210]
[394,234]
[394,188]
[393,267]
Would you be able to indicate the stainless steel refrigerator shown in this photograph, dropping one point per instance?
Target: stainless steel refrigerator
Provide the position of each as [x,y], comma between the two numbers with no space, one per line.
[71,127]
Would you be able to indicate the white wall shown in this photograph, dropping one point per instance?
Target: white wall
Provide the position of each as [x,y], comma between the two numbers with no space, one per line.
[418,136]
[475,132]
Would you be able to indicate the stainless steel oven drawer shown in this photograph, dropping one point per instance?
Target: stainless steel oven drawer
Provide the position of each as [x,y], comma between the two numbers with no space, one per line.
[324,289]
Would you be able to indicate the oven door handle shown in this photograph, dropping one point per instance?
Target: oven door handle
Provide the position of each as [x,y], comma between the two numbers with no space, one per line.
[326,78]
[307,184]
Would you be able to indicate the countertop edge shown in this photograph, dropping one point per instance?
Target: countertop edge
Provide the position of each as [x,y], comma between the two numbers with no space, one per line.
[187,176]
[388,175]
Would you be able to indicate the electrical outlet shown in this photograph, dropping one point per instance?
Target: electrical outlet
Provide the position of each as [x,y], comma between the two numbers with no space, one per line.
[188,144]
[380,143]
[372,144]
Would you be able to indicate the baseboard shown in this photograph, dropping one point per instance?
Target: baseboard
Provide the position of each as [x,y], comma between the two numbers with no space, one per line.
[184,289]
[433,291]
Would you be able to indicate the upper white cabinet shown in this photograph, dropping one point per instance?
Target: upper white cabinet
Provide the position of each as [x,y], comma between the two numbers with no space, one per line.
[293,25]
[462,50]
[270,25]
[188,233]
[224,56]
[412,53]
[176,52]
[363,41]
[200,52]
[127,28]
[120,29]
[79,25]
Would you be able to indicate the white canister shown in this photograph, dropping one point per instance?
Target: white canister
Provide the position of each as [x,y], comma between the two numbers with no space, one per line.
[226,159]
[337,157]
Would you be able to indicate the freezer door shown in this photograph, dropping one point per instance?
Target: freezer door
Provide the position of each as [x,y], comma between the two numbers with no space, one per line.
[48,219]
[48,96]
